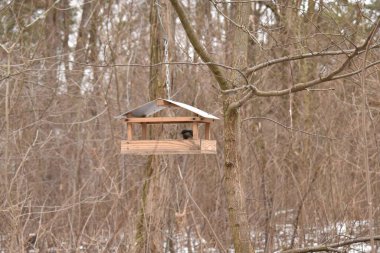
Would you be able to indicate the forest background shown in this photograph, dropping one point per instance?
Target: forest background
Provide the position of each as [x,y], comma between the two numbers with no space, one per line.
[296,84]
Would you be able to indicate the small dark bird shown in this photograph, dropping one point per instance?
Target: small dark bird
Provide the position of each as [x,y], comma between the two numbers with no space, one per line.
[187,134]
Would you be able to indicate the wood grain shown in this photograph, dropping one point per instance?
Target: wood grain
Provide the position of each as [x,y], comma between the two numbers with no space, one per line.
[157,147]
[129,132]
[207,131]
[195,131]
[144,131]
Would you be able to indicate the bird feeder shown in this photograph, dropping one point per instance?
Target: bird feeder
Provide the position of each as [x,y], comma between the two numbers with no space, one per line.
[142,145]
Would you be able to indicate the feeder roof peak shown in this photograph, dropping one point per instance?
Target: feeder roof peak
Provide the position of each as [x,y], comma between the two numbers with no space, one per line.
[159,104]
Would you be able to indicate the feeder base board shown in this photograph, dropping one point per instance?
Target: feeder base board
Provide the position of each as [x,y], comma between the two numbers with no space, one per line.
[165,147]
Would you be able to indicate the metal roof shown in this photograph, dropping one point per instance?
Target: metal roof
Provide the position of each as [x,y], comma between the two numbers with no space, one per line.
[152,108]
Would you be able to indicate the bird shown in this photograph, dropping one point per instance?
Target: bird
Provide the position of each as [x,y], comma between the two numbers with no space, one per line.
[187,134]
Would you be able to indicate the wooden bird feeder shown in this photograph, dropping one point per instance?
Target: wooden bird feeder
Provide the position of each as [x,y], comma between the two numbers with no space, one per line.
[145,146]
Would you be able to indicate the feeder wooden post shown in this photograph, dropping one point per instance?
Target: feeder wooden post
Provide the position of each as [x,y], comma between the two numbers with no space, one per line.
[195,131]
[129,131]
[207,131]
[144,131]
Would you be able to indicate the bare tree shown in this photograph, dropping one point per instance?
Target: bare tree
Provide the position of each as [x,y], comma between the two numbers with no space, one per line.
[296,83]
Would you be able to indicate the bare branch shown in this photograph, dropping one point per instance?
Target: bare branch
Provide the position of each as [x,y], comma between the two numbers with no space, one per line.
[329,89]
[244,99]
[242,27]
[328,247]
[199,209]
[289,128]
[259,93]
[42,16]
[366,153]
[300,57]
[199,48]
[329,77]
[357,71]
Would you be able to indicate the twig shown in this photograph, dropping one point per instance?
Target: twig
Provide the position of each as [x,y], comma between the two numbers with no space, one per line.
[301,56]
[241,27]
[328,247]
[200,210]
[290,128]
[364,130]
[198,47]
[328,89]
[23,161]
[303,86]
[163,63]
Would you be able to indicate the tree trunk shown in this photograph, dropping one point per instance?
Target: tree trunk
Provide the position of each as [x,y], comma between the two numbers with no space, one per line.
[238,220]
[147,225]
[74,88]
[236,205]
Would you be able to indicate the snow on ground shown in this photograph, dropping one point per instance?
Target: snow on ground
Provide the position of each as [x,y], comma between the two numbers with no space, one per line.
[188,240]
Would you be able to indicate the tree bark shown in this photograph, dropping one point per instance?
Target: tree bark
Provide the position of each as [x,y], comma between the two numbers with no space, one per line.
[74,88]
[146,235]
[238,220]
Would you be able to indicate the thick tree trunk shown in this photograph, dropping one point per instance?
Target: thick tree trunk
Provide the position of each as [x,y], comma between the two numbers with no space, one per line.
[238,220]
[74,88]
[148,235]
